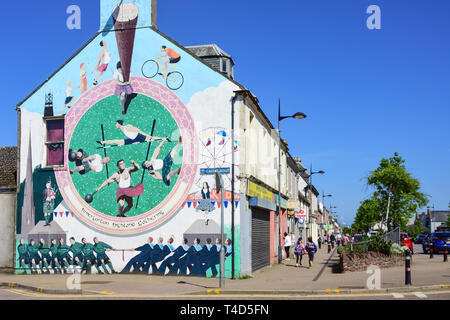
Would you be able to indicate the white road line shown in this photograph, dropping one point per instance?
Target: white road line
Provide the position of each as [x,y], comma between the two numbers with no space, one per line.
[420,295]
[398,296]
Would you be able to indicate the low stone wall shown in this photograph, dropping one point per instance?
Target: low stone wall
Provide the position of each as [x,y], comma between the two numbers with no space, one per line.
[360,262]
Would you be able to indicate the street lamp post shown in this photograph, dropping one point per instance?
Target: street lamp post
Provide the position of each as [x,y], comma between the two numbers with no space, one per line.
[310,194]
[298,116]
[323,213]
[324,196]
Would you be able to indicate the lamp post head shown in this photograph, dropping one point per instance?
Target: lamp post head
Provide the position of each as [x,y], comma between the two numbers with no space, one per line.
[299,116]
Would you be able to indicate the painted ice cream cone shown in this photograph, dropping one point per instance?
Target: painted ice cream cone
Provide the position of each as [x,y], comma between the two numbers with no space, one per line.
[125,20]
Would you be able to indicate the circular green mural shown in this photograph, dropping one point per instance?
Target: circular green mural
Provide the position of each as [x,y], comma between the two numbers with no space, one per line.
[141,113]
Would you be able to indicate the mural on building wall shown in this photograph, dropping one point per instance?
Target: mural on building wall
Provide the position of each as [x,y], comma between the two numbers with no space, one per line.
[127,163]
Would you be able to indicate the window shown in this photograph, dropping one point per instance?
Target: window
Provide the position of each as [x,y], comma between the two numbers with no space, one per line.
[224,65]
[54,141]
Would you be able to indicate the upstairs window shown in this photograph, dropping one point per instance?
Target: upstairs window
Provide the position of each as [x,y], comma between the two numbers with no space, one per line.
[224,65]
[54,141]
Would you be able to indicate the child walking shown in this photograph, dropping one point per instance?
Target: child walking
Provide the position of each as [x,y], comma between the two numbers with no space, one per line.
[299,250]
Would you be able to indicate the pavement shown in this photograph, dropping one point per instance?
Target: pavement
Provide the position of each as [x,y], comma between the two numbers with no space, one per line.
[278,280]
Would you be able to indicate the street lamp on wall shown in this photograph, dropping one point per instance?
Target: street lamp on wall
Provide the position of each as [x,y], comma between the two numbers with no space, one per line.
[298,116]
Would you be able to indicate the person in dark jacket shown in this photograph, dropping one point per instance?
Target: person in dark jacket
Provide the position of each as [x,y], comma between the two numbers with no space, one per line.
[165,251]
[177,257]
[311,248]
[191,258]
[153,256]
[172,258]
[137,261]
[202,259]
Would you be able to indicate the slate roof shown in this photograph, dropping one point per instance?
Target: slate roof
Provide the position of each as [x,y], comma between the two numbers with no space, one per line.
[208,50]
[8,167]
[439,216]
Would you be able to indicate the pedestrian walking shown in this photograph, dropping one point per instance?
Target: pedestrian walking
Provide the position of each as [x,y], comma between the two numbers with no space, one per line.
[338,239]
[332,239]
[292,243]
[311,248]
[319,240]
[287,245]
[299,251]
[345,240]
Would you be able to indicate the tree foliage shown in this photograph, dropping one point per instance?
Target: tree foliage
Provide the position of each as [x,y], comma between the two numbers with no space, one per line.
[368,214]
[416,229]
[394,188]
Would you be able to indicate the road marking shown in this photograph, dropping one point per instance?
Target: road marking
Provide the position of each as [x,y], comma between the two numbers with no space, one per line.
[420,295]
[26,294]
[398,296]
[254,296]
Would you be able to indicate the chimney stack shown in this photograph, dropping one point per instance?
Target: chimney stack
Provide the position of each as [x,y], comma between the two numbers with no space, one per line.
[154,11]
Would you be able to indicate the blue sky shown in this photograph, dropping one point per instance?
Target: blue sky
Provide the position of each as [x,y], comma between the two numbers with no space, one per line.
[367,93]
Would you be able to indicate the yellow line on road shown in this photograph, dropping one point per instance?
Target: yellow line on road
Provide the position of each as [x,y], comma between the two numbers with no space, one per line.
[19,292]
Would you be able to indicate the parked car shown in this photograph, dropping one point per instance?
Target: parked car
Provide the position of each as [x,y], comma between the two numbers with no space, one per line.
[420,238]
[406,241]
[440,241]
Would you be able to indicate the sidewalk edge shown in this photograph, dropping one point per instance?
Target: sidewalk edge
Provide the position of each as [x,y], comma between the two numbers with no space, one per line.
[319,292]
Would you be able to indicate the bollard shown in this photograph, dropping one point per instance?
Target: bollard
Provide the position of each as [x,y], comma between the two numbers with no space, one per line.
[408,267]
[431,253]
[445,254]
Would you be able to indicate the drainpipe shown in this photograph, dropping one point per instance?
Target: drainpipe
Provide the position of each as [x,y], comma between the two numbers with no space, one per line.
[233,100]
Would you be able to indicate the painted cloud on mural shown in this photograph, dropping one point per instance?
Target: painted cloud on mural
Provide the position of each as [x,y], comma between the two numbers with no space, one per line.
[213,104]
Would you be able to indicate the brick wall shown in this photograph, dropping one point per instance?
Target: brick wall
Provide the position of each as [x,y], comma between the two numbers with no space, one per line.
[360,262]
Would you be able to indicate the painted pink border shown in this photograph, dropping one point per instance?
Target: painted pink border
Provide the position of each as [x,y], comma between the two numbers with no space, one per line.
[186,125]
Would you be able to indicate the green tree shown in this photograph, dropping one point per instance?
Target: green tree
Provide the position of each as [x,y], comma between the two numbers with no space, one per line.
[368,214]
[397,192]
[448,217]
[347,230]
[416,229]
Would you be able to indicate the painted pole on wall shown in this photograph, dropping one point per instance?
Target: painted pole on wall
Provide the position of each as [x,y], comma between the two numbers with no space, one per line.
[219,187]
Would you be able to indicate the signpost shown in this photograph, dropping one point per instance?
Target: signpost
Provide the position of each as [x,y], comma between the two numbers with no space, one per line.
[219,187]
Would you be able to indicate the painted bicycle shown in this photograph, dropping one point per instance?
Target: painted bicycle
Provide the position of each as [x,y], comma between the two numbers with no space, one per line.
[152,68]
